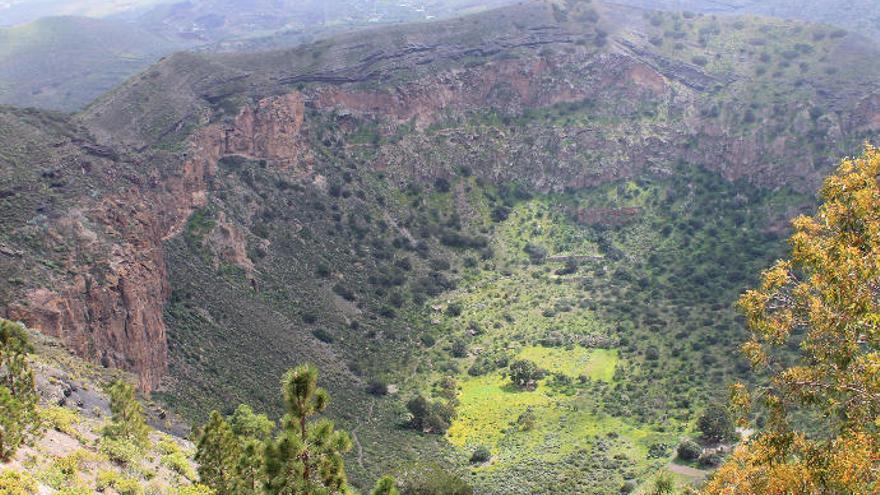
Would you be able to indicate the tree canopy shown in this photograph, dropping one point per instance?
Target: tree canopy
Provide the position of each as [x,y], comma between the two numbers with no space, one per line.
[525,374]
[826,298]
[18,396]
[306,456]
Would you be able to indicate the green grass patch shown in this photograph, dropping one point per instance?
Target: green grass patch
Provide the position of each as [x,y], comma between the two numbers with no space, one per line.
[597,364]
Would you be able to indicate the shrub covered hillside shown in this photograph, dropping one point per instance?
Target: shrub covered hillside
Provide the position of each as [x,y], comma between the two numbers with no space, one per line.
[69,428]
[529,407]
[428,256]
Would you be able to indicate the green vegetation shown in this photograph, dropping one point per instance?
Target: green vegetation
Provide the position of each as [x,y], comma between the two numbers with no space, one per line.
[822,411]
[19,417]
[597,342]
[385,486]
[126,437]
[688,450]
[306,457]
[715,424]
[525,374]
[620,293]
[430,416]
[237,456]
[17,483]
[217,454]
[127,423]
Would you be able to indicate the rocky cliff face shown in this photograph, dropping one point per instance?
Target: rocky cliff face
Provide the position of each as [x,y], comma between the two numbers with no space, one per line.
[108,305]
[114,317]
[106,296]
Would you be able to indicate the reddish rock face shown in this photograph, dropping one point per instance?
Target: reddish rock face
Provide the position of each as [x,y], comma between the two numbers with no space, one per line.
[506,85]
[269,131]
[116,323]
[111,311]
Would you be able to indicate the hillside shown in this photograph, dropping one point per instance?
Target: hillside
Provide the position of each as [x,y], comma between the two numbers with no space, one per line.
[858,16]
[413,208]
[15,12]
[70,452]
[65,62]
[61,55]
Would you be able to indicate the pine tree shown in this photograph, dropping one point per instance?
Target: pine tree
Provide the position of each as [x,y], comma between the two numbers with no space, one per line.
[248,425]
[252,431]
[306,456]
[218,453]
[127,416]
[18,396]
[385,486]
[249,469]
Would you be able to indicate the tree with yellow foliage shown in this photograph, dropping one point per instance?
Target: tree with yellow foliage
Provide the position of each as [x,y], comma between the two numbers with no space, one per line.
[827,298]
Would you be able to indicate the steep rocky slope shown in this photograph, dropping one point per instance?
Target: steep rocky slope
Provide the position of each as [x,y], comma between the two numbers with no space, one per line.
[66,453]
[83,257]
[221,217]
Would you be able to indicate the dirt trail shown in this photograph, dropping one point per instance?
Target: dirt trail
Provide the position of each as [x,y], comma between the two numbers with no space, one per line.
[354,437]
[687,471]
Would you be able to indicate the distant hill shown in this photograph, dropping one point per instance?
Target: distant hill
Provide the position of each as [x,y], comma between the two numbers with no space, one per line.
[63,63]
[16,12]
[860,16]
[217,20]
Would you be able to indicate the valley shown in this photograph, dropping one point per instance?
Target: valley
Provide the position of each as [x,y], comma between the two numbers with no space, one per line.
[414,209]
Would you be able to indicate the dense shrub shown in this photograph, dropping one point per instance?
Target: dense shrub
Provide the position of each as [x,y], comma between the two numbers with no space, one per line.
[429,416]
[17,483]
[710,460]
[480,455]
[377,387]
[431,479]
[716,424]
[323,335]
[459,348]
[454,309]
[688,450]
[19,418]
[482,365]
[526,420]
[525,374]
[537,254]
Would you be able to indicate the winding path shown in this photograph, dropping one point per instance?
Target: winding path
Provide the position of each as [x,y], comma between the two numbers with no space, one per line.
[354,437]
